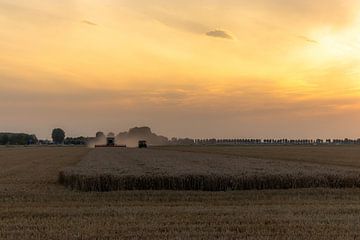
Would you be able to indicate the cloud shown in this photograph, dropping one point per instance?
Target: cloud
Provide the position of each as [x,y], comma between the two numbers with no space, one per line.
[29,14]
[89,23]
[219,34]
[337,13]
[308,39]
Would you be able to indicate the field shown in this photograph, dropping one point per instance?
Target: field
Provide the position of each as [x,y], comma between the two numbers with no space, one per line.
[158,169]
[336,155]
[34,206]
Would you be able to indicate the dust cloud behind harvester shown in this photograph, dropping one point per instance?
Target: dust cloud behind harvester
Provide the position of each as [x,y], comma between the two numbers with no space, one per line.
[136,134]
[130,138]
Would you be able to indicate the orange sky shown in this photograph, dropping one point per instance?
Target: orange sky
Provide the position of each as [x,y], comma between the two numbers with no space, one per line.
[210,68]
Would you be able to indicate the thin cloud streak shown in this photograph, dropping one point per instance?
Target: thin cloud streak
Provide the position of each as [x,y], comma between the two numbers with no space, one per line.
[89,22]
[219,34]
[308,39]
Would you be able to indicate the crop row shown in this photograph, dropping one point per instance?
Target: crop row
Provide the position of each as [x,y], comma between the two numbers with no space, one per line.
[105,183]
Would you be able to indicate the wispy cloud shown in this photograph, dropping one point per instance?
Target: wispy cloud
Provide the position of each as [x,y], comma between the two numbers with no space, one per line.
[89,22]
[219,34]
[308,39]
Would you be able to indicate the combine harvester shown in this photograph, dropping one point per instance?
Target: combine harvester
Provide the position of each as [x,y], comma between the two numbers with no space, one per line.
[142,144]
[110,142]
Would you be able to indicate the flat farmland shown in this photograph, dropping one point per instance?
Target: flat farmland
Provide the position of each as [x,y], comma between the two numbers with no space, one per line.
[34,206]
[112,169]
[339,155]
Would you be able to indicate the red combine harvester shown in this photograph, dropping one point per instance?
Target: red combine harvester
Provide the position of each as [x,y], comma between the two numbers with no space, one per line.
[110,142]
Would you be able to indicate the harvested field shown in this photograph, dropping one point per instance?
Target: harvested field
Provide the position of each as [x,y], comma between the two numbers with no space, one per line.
[34,206]
[153,169]
[341,155]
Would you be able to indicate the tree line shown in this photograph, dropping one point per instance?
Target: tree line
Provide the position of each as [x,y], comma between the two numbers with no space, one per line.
[244,141]
[58,136]
[17,139]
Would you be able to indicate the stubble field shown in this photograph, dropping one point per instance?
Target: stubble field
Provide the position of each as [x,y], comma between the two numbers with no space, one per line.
[336,155]
[34,206]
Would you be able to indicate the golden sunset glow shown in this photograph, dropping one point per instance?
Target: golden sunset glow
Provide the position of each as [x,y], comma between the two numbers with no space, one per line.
[186,68]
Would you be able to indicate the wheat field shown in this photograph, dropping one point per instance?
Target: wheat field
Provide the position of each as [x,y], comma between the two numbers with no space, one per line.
[34,206]
[155,169]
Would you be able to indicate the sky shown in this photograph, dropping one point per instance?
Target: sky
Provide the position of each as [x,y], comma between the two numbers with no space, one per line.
[201,69]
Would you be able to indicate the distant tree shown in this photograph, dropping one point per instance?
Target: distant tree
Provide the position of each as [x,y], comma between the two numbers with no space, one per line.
[58,136]
[100,135]
[4,139]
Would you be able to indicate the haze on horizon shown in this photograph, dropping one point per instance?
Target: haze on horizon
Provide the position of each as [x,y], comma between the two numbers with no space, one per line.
[210,68]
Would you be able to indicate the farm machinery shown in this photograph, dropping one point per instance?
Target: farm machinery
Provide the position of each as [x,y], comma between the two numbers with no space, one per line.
[142,144]
[110,142]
